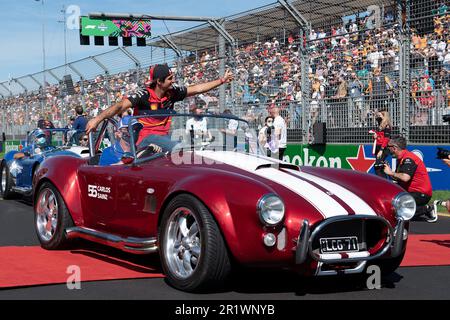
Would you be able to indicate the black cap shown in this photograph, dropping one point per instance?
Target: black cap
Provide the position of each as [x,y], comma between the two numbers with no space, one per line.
[159,72]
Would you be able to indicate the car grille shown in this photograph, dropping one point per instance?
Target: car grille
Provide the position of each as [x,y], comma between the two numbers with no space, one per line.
[371,233]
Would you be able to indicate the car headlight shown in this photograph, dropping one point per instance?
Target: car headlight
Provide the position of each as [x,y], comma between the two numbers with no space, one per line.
[404,205]
[270,209]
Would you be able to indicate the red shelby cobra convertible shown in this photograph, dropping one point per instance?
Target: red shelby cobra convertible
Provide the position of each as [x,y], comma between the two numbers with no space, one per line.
[205,197]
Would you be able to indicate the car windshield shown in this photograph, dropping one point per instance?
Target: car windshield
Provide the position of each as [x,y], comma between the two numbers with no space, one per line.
[47,137]
[172,133]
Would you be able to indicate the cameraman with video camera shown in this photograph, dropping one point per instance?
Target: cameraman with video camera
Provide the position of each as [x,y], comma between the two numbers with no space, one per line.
[411,174]
[268,142]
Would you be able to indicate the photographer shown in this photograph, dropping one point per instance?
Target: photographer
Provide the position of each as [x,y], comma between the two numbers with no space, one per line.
[444,155]
[268,142]
[382,135]
[412,175]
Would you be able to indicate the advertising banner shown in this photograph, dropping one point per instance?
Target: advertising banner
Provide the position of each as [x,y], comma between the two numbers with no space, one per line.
[115,27]
[360,157]
[12,145]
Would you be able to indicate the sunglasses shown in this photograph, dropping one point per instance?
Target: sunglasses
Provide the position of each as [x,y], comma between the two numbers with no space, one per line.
[85,139]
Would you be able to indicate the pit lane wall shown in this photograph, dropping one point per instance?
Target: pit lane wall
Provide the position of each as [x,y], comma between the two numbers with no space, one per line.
[360,157]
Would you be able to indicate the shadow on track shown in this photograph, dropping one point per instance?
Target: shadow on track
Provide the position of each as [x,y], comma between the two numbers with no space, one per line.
[262,281]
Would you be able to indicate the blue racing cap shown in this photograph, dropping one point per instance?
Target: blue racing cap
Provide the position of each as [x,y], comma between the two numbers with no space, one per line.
[124,122]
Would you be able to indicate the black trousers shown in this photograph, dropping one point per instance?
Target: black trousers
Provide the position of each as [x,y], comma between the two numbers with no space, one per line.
[379,171]
[421,202]
[281,153]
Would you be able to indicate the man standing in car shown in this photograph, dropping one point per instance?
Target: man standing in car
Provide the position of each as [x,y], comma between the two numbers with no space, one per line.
[161,94]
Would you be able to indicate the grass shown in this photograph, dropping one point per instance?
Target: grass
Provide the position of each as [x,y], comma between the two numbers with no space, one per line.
[441,195]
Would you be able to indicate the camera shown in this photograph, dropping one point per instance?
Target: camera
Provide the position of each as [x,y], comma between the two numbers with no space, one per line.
[379,165]
[442,153]
[269,130]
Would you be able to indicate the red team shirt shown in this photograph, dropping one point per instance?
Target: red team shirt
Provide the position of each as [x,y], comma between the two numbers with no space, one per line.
[146,99]
[383,136]
[413,166]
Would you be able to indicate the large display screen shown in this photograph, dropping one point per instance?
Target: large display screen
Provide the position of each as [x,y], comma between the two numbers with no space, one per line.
[115,27]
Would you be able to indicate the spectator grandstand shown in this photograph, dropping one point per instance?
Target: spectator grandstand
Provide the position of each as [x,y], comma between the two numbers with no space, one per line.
[353,68]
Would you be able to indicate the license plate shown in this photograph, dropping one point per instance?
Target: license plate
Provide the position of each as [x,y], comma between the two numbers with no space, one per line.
[343,244]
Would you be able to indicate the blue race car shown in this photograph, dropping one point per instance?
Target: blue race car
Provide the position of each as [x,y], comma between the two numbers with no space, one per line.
[18,167]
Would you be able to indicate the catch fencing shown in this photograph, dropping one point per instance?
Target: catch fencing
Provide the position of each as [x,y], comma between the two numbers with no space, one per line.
[335,62]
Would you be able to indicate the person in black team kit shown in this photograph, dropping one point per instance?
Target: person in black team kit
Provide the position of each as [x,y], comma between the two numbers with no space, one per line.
[161,94]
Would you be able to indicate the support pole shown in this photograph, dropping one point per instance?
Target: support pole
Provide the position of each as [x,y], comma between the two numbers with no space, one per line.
[34,79]
[21,84]
[101,65]
[404,99]
[222,92]
[7,89]
[224,36]
[299,18]
[78,73]
[306,93]
[109,15]
[172,45]
[53,75]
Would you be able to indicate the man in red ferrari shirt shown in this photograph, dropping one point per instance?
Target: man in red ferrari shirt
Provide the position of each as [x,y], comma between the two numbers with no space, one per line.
[161,94]
[411,174]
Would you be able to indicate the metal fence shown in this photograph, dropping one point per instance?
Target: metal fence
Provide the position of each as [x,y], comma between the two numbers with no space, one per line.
[331,61]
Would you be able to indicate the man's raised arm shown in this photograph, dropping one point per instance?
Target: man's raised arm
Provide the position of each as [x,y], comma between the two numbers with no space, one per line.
[205,87]
[118,108]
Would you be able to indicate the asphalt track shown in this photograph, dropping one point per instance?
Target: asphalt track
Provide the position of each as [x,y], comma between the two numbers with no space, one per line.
[416,283]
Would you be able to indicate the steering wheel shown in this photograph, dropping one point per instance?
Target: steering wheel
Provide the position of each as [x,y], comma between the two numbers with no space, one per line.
[148,151]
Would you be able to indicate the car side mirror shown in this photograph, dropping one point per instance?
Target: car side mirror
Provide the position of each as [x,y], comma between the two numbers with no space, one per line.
[127,158]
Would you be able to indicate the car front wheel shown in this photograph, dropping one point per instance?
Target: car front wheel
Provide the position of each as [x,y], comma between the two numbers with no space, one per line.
[193,253]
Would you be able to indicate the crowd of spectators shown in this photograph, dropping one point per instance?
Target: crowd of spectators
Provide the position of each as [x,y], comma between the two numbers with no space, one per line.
[353,72]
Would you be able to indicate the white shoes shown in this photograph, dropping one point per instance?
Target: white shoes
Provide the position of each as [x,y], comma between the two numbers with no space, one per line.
[431,215]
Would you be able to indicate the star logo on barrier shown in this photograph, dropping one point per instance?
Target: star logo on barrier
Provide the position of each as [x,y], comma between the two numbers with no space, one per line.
[361,163]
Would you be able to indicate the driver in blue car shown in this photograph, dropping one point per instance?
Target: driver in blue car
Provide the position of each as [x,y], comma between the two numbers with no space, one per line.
[39,145]
[113,154]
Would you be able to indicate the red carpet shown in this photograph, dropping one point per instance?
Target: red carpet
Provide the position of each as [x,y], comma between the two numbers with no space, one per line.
[427,250]
[27,266]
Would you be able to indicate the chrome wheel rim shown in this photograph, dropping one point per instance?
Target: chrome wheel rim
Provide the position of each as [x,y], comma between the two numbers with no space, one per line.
[47,214]
[3,179]
[183,246]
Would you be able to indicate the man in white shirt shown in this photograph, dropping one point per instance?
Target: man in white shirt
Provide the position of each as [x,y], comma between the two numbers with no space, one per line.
[280,130]
[198,125]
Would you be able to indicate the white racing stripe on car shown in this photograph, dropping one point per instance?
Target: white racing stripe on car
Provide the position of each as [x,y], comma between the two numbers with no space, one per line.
[81,151]
[235,159]
[358,205]
[325,204]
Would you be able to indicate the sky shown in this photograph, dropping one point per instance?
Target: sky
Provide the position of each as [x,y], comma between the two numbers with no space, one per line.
[22,40]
